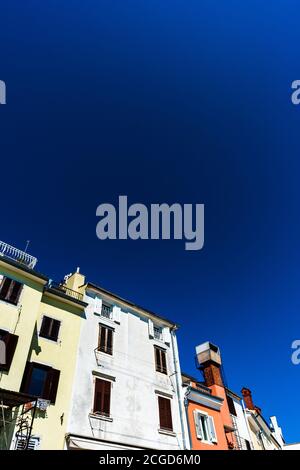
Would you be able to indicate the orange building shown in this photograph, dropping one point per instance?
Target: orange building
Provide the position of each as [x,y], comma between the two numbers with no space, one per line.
[208,415]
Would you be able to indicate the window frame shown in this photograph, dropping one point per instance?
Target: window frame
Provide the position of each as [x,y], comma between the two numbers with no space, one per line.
[106,349]
[7,296]
[50,385]
[168,416]
[161,365]
[101,413]
[41,335]
[205,423]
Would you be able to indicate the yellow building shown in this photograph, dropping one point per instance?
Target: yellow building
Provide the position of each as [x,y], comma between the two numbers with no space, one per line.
[40,324]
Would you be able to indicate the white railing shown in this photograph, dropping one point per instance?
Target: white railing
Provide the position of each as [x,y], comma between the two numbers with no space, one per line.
[17,255]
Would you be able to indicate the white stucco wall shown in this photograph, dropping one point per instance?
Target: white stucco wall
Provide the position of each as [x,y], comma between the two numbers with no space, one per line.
[135,384]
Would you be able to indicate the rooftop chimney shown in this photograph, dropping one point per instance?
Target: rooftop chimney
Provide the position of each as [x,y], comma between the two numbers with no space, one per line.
[209,361]
[247,396]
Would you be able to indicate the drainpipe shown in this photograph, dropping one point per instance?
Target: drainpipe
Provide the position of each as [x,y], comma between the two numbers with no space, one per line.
[247,424]
[177,374]
[186,405]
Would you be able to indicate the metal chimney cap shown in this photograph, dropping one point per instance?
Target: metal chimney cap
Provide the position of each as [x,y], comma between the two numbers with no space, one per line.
[206,347]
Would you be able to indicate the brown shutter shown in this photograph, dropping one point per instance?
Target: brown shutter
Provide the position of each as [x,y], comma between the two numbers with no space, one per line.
[15,292]
[26,377]
[51,385]
[165,415]
[157,359]
[109,341]
[4,287]
[106,398]
[102,397]
[10,341]
[164,362]
[45,328]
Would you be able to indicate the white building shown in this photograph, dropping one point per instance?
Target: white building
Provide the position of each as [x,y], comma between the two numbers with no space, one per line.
[127,391]
[239,421]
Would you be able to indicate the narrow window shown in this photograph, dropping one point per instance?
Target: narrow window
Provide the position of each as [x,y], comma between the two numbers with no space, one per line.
[49,328]
[160,360]
[102,397]
[205,427]
[10,290]
[10,344]
[165,414]
[40,381]
[105,342]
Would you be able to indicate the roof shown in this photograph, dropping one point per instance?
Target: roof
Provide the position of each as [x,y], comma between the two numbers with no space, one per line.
[131,304]
[24,268]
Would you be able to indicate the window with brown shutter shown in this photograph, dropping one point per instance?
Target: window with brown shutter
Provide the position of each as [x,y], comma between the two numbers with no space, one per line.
[102,397]
[10,290]
[165,414]
[49,328]
[160,360]
[10,342]
[105,341]
[40,381]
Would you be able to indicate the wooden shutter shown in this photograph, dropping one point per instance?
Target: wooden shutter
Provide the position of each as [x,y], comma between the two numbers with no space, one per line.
[45,327]
[26,377]
[51,385]
[212,431]
[5,287]
[165,415]
[160,360]
[102,397]
[10,341]
[15,292]
[198,425]
[105,343]
[109,334]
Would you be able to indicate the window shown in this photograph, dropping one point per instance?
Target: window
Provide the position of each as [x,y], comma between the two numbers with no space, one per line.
[158,332]
[231,405]
[10,290]
[40,381]
[106,311]
[205,427]
[10,344]
[49,328]
[105,342]
[165,414]
[21,443]
[160,360]
[102,397]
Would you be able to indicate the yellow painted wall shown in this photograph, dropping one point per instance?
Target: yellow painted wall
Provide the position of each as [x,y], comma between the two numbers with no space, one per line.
[19,320]
[24,320]
[62,355]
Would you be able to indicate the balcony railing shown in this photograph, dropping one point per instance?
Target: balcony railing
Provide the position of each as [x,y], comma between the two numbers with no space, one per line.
[66,290]
[17,255]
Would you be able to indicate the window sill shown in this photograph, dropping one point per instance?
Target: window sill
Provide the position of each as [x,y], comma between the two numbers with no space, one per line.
[101,417]
[167,432]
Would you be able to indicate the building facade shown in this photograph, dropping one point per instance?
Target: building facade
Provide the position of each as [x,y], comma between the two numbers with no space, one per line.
[127,391]
[40,324]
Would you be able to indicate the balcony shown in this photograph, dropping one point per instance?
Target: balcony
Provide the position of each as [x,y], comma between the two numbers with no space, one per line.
[61,288]
[17,255]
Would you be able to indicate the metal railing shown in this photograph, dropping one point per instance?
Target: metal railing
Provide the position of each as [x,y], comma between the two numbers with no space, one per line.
[17,255]
[66,290]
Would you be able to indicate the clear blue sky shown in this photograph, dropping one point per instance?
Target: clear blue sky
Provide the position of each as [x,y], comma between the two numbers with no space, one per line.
[165,101]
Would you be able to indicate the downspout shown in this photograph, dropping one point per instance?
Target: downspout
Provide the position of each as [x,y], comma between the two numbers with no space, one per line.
[177,374]
[186,405]
[247,424]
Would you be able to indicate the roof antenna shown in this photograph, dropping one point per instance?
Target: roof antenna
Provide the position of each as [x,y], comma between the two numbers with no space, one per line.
[27,245]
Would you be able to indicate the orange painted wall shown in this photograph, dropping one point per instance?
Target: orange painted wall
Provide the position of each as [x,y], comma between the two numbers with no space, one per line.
[197,444]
